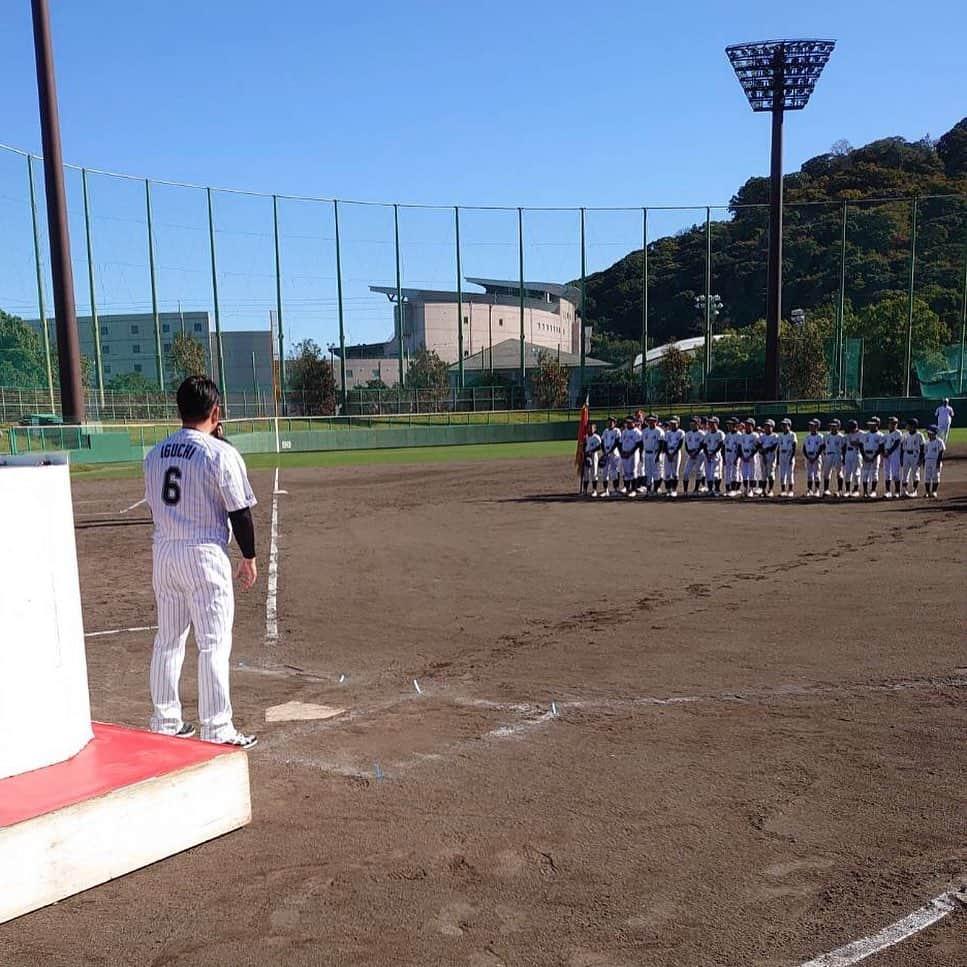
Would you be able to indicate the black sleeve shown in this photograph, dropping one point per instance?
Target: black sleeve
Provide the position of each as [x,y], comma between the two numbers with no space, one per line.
[243,527]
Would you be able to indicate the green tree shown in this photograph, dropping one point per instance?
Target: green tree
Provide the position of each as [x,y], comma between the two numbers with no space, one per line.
[550,382]
[883,328]
[22,363]
[429,375]
[132,383]
[187,357]
[311,380]
[612,348]
[803,362]
[675,368]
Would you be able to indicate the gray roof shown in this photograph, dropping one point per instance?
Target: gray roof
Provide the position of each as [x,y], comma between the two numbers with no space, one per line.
[554,289]
[568,292]
[506,355]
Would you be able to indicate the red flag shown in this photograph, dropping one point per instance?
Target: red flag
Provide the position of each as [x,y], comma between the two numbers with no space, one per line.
[582,436]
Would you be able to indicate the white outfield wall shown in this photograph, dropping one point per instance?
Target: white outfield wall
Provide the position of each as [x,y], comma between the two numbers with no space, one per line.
[45,712]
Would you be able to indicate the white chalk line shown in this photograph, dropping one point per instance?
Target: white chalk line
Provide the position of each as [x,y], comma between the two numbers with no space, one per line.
[120,631]
[271,597]
[133,506]
[929,914]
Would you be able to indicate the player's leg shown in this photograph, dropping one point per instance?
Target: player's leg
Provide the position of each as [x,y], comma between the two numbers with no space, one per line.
[168,654]
[212,604]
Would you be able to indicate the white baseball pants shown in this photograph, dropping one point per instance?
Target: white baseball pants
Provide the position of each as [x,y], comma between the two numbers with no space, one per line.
[672,465]
[931,472]
[732,469]
[814,472]
[713,466]
[787,470]
[629,468]
[870,472]
[591,467]
[768,465]
[891,467]
[193,587]
[910,473]
[652,471]
[612,467]
[693,468]
[852,469]
[749,470]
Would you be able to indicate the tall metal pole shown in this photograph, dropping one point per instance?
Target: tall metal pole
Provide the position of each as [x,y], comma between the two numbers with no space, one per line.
[644,305]
[218,319]
[154,289]
[38,263]
[841,312]
[963,328]
[278,298]
[707,367]
[520,260]
[255,379]
[339,306]
[908,358]
[584,271]
[95,322]
[399,285]
[774,281]
[456,227]
[62,276]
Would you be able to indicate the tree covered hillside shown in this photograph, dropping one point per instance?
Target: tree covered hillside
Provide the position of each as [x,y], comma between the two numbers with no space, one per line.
[878,233]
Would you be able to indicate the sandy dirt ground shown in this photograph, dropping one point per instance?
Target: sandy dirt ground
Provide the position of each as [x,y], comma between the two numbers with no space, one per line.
[648,732]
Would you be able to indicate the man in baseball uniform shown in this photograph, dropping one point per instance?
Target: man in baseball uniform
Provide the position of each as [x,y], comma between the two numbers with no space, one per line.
[672,447]
[768,451]
[730,452]
[813,446]
[788,443]
[945,418]
[748,451]
[592,461]
[630,453]
[714,444]
[610,446]
[911,457]
[694,454]
[854,447]
[197,488]
[834,449]
[870,450]
[704,486]
[651,447]
[891,459]
[932,460]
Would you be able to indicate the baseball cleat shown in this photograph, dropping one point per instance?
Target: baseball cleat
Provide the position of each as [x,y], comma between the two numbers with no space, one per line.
[240,741]
[186,731]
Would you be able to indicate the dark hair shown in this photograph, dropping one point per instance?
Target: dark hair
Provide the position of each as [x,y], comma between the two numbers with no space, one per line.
[197,397]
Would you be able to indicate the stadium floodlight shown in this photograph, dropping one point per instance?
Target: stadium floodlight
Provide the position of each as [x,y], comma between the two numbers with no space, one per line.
[777,76]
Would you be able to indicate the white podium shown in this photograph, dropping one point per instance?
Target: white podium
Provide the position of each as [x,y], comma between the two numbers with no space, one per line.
[81,802]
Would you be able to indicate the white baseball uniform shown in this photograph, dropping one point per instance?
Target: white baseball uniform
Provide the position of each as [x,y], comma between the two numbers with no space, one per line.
[592,457]
[732,448]
[870,445]
[812,452]
[788,441]
[192,482]
[891,458]
[911,457]
[651,441]
[768,450]
[630,447]
[673,453]
[945,417]
[851,464]
[834,453]
[933,453]
[611,441]
[714,443]
[748,448]
[694,456]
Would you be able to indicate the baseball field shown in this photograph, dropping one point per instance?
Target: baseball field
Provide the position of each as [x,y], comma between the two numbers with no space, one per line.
[588,734]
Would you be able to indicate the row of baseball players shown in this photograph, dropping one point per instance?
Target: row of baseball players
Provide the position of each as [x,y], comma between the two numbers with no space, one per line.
[640,460]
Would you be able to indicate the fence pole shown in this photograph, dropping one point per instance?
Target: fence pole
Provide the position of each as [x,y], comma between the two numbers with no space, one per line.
[913,269]
[707,366]
[278,298]
[95,322]
[399,284]
[581,329]
[644,305]
[339,308]
[840,342]
[45,335]
[218,319]
[255,379]
[154,289]
[456,227]
[520,258]
[963,329]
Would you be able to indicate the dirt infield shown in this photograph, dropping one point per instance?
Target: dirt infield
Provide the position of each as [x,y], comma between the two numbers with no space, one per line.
[690,733]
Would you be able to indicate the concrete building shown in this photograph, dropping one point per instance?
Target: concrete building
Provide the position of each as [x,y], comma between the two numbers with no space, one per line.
[488,317]
[128,346]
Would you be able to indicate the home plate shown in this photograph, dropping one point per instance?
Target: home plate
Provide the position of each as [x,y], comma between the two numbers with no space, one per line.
[301,712]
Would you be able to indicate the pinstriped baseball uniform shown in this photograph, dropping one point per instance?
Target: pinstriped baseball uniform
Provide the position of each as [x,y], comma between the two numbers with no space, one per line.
[192,483]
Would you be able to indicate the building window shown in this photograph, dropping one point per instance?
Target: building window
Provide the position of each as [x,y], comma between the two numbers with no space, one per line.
[136,348]
[466,320]
[375,373]
[105,350]
[107,370]
[349,374]
[137,367]
[165,327]
[500,322]
[134,330]
[198,327]
[104,331]
[167,347]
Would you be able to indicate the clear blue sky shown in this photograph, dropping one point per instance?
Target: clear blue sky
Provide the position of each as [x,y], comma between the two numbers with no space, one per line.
[533,103]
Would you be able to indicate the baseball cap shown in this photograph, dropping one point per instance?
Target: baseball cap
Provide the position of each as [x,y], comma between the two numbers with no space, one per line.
[769,423]
[932,428]
[785,421]
[913,421]
[893,419]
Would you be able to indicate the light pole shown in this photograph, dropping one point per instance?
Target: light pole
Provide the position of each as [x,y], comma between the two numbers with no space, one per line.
[708,310]
[777,76]
[798,317]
